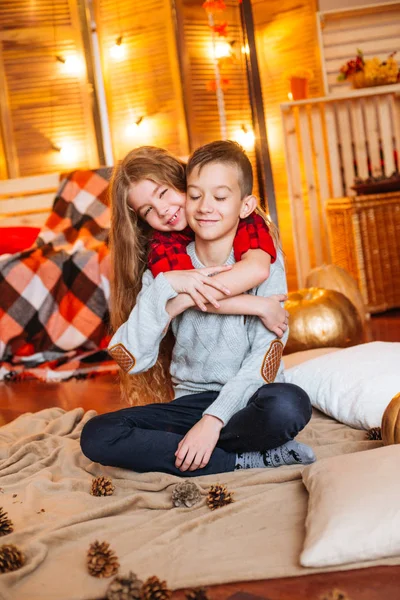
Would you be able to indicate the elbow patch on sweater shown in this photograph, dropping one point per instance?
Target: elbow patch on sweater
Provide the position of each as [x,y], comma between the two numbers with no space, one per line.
[271,362]
[122,357]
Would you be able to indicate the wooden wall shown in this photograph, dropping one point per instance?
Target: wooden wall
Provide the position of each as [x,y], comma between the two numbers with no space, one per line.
[145,81]
[196,48]
[42,103]
[374,29]
[286,37]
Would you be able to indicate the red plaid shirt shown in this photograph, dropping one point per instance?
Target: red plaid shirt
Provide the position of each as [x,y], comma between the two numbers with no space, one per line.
[168,250]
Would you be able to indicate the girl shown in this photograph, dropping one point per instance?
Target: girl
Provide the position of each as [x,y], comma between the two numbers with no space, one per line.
[148,193]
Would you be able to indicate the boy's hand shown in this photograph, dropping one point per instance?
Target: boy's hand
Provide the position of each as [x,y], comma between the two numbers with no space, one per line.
[274,316]
[195,282]
[195,449]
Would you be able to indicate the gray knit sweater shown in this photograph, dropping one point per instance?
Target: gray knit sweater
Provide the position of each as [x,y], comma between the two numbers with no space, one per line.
[230,354]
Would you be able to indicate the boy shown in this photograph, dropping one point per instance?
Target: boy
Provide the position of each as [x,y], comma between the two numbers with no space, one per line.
[232,408]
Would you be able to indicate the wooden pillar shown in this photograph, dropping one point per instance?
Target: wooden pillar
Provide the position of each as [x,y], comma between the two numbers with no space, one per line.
[263,159]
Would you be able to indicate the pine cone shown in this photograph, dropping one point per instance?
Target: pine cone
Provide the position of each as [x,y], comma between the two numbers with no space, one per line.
[186,493]
[197,594]
[218,496]
[102,486]
[124,588]
[335,594]
[11,558]
[101,560]
[6,525]
[154,589]
[375,433]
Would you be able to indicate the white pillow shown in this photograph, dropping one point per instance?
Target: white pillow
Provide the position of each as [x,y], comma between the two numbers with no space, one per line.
[353,508]
[353,385]
[296,358]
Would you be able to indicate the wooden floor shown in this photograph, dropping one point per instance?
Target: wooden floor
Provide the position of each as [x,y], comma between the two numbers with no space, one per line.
[102,394]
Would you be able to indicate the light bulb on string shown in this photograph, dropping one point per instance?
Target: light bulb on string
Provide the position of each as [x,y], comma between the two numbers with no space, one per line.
[245,137]
[220,50]
[71,64]
[245,49]
[139,130]
[118,50]
[67,151]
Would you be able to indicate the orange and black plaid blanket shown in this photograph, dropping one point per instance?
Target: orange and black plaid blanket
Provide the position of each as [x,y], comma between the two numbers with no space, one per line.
[54,296]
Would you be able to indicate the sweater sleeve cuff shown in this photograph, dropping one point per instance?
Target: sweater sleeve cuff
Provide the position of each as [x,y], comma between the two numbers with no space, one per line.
[162,292]
[222,413]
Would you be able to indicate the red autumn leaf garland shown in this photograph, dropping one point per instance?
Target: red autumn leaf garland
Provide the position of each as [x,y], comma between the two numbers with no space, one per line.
[214,5]
[221,29]
[212,85]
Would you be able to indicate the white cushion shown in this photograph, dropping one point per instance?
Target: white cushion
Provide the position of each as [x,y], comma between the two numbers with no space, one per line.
[353,508]
[296,358]
[353,385]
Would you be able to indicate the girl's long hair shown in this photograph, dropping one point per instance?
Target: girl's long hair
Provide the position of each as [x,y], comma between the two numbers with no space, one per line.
[273,230]
[129,245]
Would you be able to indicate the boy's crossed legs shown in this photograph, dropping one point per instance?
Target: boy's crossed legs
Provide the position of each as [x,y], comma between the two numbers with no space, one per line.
[145,438]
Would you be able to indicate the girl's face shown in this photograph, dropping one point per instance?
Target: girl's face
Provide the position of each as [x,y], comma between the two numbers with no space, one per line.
[162,207]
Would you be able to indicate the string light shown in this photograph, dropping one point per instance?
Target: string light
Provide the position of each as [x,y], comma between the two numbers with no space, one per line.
[220,50]
[71,65]
[245,49]
[139,129]
[67,151]
[118,50]
[245,137]
[290,96]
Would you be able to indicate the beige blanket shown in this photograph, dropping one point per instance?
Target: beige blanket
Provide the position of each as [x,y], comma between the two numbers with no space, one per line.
[259,536]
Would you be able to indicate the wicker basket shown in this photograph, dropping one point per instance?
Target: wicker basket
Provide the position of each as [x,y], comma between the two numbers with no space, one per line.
[365,240]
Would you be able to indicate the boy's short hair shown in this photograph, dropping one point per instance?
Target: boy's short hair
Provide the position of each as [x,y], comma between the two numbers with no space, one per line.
[226,152]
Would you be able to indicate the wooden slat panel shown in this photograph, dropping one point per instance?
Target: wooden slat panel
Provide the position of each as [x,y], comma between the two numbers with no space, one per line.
[321,169]
[302,254]
[344,135]
[305,141]
[39,13]
[378,28]
[358,133]
[203,111]
[372,134]
[286,36]
[395,114]
[333,145]
[42,202]
[145,81]
[49,105]
[386,133]
[9,154]
[29,185]
[375,29]
[374,47]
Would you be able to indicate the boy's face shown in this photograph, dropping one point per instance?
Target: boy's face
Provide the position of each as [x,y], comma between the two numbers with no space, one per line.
[214,202]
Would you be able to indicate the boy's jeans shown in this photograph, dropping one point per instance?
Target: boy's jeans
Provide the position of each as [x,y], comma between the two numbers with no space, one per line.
[145,438]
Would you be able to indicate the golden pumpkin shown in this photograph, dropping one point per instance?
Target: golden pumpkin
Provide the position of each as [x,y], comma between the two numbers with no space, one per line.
[332,277]
[391,422]
[320,319]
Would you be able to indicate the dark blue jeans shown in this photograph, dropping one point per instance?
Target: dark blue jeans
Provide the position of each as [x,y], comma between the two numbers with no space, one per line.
[145,438]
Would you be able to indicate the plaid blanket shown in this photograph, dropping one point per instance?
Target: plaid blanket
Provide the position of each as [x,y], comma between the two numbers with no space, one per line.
[64,366]
[54,296]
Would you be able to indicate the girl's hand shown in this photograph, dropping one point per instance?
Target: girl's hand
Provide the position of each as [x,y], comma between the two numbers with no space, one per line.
[195,449]
[273,315]
[196,283]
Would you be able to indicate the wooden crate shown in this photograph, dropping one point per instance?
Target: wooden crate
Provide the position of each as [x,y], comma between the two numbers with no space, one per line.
[364,236]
